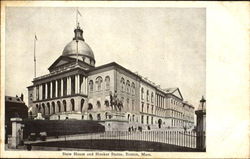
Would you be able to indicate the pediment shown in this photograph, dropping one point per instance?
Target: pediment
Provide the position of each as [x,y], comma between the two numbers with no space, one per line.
[177,93]
[62,60]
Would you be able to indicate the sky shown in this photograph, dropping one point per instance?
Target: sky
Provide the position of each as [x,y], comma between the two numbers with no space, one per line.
[166,45]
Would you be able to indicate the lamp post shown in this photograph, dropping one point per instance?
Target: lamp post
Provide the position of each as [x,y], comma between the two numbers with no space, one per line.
[201,125]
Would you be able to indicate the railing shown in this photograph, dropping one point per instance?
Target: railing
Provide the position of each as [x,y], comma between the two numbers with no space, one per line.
[177,138]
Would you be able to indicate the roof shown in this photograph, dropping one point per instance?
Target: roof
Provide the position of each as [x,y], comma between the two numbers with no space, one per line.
[171,90]
[13,99]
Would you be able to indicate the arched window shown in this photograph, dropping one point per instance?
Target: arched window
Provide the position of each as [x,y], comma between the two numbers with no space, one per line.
[152,97]
[128,117]
[133,88]
[82,103]
[37,108]
[147,95]
[127,103]
[142,93]
[72,101]
[128,86]
[122,84]
[98,103]
[91,85]
[98,82]
[133,117]
[106,115]
[107,81]
[90,106]
[58,106]
[106,103]
[43,106]
[53,108]
[98,116]
[64,106]
[48,108]
[90,117]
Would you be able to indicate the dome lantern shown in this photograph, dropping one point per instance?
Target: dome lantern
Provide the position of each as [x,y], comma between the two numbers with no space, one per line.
[78,33]
[79,48]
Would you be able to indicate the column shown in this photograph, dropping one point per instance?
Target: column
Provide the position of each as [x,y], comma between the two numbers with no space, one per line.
[76,84]
[86,85]
[40,92]
[62,87]
[34,93]
[83,85]
[46,90]
[51,89]
[56,95]
[67,85]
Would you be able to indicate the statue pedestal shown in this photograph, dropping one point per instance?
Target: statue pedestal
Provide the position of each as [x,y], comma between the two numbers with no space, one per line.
[117,122]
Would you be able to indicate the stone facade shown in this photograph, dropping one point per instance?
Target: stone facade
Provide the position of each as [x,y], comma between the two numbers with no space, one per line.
[111,94]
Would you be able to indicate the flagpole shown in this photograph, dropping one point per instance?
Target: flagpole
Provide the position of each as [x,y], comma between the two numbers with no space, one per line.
[35,57]
[76,36]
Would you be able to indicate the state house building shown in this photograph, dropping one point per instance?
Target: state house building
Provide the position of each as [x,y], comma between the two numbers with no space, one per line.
[112,94]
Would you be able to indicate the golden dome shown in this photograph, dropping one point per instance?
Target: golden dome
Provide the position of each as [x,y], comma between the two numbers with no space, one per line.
[83,49]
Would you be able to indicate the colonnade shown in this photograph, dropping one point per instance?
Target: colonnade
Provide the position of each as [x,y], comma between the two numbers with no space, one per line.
[76,84]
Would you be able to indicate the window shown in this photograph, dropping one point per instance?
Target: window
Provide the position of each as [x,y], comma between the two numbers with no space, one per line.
[107,81]
[98,82]
[147,108]
[98,116]
[142,105]
[43,106]
[72,104]
[147,95]
[142,119]
[82,104]
[91,85]
[90,106]
[142,91]
[133,88]
[53,108]
[98,104]
[106,103]
[48,107]
[152,97]
[90,117]
[122,84]
[64,105]
[58,106]
[128,104]
[128,86]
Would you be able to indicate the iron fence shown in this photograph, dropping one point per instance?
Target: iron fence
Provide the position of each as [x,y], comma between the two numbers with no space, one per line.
[178,138]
